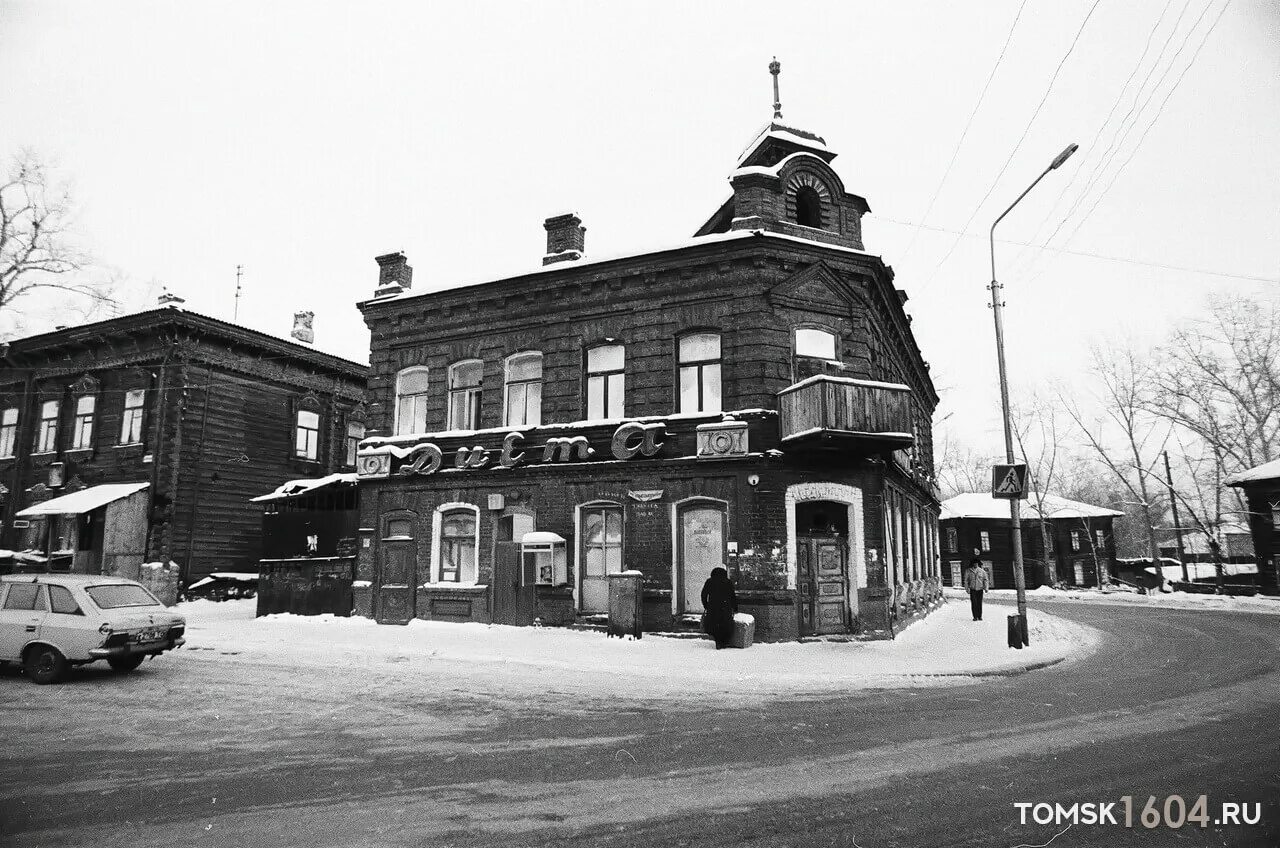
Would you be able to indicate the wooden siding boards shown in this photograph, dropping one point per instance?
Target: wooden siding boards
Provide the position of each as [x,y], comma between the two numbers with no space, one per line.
[218,426]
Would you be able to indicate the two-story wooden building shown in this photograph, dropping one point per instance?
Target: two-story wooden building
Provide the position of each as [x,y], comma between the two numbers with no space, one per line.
[1080,544]
[751,398]
[1261,487]
[142,438]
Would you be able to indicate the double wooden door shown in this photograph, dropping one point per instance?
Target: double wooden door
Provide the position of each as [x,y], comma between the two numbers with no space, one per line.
[822,580]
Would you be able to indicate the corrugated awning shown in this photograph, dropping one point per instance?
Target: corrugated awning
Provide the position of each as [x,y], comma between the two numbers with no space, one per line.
[84,500]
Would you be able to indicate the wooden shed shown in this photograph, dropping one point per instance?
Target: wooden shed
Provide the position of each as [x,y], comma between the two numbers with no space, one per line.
[309,546]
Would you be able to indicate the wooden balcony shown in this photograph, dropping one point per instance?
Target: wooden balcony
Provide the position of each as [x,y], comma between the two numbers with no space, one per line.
[844,413]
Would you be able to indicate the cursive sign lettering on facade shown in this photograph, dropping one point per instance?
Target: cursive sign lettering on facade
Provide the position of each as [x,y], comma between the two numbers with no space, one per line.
[629,441]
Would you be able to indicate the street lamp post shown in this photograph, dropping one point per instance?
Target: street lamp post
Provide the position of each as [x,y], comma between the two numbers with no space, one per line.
[1015,505]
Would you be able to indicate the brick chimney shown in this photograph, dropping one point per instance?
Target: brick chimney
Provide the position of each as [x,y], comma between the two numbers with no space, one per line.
[302,327]
[566,238]
[395,274]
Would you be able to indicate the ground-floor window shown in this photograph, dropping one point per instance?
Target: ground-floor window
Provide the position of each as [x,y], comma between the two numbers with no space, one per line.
[458,546]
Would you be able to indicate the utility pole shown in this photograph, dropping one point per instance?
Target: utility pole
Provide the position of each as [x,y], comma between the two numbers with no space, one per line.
[235,313]
[1177,525]
[1015,505]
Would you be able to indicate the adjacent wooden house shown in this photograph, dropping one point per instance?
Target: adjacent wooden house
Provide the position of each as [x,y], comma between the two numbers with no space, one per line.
[1261,487]
[142,439]
[751,398]
[1080,545]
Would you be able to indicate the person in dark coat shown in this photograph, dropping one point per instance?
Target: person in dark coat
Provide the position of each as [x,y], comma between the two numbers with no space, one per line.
[720,603]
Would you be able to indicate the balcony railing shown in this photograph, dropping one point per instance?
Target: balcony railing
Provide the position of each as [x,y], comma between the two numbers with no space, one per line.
[826,411]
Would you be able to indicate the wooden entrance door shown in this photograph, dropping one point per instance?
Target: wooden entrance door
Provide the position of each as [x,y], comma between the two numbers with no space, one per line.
[822,581]
[513,595]
[701,549]
[397,571]
[601,555]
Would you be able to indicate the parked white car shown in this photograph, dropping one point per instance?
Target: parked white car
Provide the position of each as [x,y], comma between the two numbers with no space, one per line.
[49,622]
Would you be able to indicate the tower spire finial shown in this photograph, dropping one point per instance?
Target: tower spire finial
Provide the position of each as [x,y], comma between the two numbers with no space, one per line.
[775,67]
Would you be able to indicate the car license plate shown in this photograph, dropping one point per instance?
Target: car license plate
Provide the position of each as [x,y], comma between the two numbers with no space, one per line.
[151,634]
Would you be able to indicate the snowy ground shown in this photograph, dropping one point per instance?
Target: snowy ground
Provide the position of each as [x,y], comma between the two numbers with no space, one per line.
[1165,600]
[947,647]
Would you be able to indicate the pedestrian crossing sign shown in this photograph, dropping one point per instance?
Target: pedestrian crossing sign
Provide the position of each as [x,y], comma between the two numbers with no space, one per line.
[1009,482]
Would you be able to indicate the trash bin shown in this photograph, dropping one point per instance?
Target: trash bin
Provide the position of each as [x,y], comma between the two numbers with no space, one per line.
[1017,631]
[744,630]
[626,607]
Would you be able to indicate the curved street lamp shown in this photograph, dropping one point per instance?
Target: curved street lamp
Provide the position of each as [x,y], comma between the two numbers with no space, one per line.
[1015,505]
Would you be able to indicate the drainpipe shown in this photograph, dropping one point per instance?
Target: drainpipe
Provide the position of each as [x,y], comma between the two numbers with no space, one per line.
[196,469]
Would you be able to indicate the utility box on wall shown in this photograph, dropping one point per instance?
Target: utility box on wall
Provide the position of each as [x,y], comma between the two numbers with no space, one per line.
[625,604]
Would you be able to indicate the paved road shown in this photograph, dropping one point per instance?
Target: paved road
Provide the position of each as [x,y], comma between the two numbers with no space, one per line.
[1174,702]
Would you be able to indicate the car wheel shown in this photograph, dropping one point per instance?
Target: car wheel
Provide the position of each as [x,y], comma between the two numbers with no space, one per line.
[45,665]
[128,663]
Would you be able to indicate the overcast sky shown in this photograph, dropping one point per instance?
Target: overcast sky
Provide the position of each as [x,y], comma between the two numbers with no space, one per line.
[301,139]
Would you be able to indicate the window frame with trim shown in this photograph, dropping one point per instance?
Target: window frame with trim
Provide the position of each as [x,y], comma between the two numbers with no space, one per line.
[703,372]
[132,417]
[984,541]
[525,388]
[82,425]
[417,405]
[351,442]
[451,544]
[462,411]
[612,384]
[8,432]
[306,448]
[46,435]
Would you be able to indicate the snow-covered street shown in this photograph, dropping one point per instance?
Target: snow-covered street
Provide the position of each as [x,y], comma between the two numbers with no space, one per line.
[946,647]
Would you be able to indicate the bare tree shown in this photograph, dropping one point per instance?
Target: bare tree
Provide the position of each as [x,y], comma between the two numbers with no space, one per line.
[1219,380]
[1125,437]
[961,469]
[1036,431]
[37,254]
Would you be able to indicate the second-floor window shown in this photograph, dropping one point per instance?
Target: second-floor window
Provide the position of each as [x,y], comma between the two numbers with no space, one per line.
[131,419]
[1075,540]
[355,432]
[411,401]
[699,360]
[47,428]
[307,435]
[984,540]
[952,541]
[9,431]
[83,436]
[464,395]
[815,344]
[524,390]
[606,383]
[1101,539]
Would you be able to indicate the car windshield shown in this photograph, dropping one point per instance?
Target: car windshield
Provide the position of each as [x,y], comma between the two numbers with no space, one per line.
[121,595]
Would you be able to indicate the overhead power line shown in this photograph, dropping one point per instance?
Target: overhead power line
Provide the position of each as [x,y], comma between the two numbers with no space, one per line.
[969,123]
[1091,148]
[1027,129]
[1088,254]
[1150,124]
[1110,154]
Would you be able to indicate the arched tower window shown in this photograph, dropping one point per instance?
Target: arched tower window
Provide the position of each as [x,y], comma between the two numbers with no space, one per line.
[808,207]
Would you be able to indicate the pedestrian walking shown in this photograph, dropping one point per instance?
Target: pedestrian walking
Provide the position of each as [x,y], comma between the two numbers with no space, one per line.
[720,603]
[977,582]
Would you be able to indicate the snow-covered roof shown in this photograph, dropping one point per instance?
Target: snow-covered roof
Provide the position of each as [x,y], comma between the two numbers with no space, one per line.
[84,500]
[294,488]
[982,505]
[783,133]
[767,171]
[1265,471]
[541,537]
[587,261]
